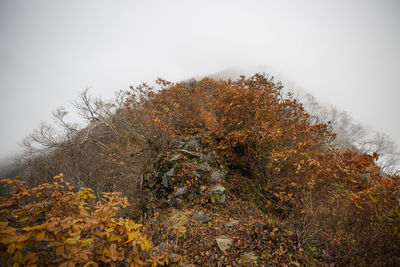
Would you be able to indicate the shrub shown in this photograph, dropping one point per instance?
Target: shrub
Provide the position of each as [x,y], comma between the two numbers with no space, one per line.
[52,224]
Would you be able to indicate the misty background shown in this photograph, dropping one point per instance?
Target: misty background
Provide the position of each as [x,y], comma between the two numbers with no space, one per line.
[345,53]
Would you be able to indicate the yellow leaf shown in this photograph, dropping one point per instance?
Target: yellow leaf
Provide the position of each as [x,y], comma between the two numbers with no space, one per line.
[18,256]
[90,263]
[23,237]
[30,259]
[86,242]
[132,236]
[13,247]
[72,241]
[40,236]
[115,238]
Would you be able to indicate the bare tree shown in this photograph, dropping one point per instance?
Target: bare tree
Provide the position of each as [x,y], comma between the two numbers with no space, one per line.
[355,136]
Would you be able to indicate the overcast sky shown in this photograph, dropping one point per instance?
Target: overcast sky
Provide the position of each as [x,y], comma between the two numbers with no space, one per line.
[346,53]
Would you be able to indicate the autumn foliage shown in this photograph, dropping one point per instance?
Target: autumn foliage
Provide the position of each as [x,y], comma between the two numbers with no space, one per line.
[52,225]
[338,203]
[337,199]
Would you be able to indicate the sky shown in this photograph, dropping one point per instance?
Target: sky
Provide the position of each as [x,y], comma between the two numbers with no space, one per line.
[345,53]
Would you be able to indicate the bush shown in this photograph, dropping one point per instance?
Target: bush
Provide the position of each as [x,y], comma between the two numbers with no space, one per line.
[52,224]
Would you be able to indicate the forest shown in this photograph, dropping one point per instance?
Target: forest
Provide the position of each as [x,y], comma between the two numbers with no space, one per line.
[208,172]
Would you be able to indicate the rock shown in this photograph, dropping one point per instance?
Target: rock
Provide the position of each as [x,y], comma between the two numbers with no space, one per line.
[248,257]
[197,174]
[203,188]
[217,175]
[192,144]
[175,158]
[218,189]
[204,157]
[220,199]
[190,154]
[164,181]
[204,167]
[180,191]
[218,196]
[212,156]
[232,223]
[201,217]
[172,256]
[163,246]
[166,176]
[170,173]
[177,143]
[224,243]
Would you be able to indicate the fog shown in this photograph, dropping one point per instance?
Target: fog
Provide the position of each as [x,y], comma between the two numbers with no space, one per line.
[346,53]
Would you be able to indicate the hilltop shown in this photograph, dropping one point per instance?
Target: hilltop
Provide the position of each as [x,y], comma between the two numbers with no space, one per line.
[211,173]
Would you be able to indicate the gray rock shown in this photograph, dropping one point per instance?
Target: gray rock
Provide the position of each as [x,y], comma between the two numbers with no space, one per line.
[177,143]
[201,217]
[212,156]
[180,191]
[170,173]
[175,158]
[204,167]
[248,257]
[218,199]
[224,243]
[172,256]
[204,157]
[218,189]
[192,144]
[217,175]
[163,246]
[190,154]
[232,223]
[197,174]
[166,176]
[165,181]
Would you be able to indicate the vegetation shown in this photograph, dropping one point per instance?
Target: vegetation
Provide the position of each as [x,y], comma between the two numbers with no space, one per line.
[51,224]
[300,198]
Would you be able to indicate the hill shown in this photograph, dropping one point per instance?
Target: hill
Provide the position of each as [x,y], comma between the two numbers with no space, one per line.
[215,173]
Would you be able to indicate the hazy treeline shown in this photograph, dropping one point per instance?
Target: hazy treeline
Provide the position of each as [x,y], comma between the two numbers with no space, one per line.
[355,136]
